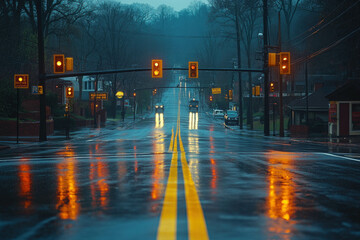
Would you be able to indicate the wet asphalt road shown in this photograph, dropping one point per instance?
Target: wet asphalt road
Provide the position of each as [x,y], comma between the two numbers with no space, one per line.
[179,175]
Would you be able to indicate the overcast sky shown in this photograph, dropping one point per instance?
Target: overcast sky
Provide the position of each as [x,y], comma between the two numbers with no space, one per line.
[176,4]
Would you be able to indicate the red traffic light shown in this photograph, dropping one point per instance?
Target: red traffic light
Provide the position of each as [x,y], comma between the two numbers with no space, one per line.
[193,70]
[211,98]
[59,63]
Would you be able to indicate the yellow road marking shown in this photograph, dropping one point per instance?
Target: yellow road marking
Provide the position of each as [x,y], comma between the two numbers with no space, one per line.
[171,147]
[196,221]
[168,218]
[167,225]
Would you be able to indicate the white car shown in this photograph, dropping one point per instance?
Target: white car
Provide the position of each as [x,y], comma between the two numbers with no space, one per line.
[217,113]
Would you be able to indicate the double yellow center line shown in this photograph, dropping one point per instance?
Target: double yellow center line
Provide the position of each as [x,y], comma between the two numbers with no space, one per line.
[196,222]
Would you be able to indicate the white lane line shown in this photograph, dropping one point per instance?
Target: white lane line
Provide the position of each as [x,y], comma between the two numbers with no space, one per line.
[339,156]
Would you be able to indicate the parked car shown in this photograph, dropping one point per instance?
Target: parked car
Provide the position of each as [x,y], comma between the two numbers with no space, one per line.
[231,117]
[159,108]
[218,113]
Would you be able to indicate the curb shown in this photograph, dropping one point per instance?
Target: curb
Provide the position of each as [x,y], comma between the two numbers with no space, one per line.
[3,147]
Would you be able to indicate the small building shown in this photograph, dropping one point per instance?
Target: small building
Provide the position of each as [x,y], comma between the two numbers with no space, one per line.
[344,110]
[88,85]
[316,106]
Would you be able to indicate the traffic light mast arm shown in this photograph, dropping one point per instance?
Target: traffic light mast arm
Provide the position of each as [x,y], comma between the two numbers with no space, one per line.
[90,73]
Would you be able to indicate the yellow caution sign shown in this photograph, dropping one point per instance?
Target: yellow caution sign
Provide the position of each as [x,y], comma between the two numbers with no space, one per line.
[216,90]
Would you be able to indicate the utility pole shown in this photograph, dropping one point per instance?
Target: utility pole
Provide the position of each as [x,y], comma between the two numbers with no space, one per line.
[307,91]
[134,104]
[266,70]
[123,102]
[274,117]
[95,101]
[281,110]
[239,65]
[42,127]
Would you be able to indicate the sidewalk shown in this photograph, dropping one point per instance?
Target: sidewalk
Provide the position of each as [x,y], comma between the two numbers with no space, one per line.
[352,141]
[3,147]
[8,142]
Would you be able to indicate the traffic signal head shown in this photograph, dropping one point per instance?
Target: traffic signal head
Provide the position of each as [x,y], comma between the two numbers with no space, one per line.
[69,66]
[285,63]
[193,70]
[59,63]
[272,87]
[156,68]
[230,94]
[69,92]
[21,81]
[211,98]
[134,94]
[257,90]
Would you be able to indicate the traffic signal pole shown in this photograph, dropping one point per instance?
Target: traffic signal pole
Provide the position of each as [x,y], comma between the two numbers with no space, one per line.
[42,76]
[95,101]
[266,70]
[17,115]
[134,105]
[281,110]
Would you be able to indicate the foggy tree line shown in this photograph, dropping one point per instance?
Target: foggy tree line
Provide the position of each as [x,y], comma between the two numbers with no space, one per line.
[220,33]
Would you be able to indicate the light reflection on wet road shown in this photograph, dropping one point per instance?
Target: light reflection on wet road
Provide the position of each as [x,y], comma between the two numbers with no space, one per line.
[113,184]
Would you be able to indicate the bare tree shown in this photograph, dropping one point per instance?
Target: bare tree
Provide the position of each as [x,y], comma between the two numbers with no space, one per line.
[165,15]
[85,45]
[229,11]
[288,7]
[56,12]
[10,26]
[115,22]
[250,13]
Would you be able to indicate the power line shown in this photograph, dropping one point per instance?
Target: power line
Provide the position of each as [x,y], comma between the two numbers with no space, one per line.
[323,50]
[326,24]
[315,25]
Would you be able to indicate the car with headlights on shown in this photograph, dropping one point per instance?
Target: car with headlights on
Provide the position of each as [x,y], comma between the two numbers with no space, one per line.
[193,105]
[159,108]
